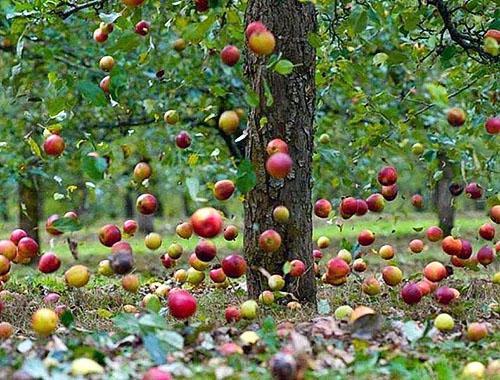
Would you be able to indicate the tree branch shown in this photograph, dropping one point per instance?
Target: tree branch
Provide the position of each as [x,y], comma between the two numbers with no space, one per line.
[468,41]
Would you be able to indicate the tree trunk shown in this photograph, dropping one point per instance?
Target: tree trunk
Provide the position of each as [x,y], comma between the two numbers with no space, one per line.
[29,206]
[146,223]
[128,204]
[290,118]
[443,197]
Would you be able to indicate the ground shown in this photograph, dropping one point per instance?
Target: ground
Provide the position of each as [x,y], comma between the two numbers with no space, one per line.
[399,342]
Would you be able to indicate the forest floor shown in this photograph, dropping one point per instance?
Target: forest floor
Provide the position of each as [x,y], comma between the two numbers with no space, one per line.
[398,342]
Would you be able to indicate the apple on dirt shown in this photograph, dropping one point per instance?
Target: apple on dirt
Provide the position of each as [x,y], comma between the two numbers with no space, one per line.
[366,237]
[411,293]
[44,322]
[392,275]
[77,276]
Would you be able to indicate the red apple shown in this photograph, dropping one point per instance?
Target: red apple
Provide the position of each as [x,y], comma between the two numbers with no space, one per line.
[466,250]
[338,268]
[105,83]
[130,227]
[416,245]
[348,207]
[4,265]
[142,27]
[49,262]
[387,252]
[254,26]
[487,231]
[359,265]
[322,208]
[279,165]
[205,250]
[156,373]
[366,237]
[375,202]
[232,314]
[223,189]
[206,222]
[456,117]
[387,176]
[485,255]
[201,5]
[262,42]
[146,204]
[27,248]
[17,235]
[317,255]
[230,232]
[411,293]
[181,304]
[100,35]
[132,3]
[234,266]
[54,145]
[167,261]
[109,235]
[269,241]
[444,295]
[417,201]
[297,268]
[390,192]
[183,140]
[435,271]
[184,230]
[121,246]
[230,55]
[492,125]
[474,190]
[276,146]
[49,225]
[392,275]
[451,246]
[434,233]
[217,275]
[494,214]
[361,207]
[8,249]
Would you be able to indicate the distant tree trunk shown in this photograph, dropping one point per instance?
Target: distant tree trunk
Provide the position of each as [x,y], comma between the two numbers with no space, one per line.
[186,204]
[443,197]
[30,206]
[146,223]
[290,117]
[4,210]
[129,204]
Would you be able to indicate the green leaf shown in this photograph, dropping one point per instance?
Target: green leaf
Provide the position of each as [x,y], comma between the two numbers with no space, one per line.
[152,321]
[128,41]
[154,348]
[314,40]
[126,322]
[193,185]
[252,98]
[94,167]
[246,178]
[67,224]
[35,149]
[438,93]
[109,18]
[379,59]
[284,67]
[92,92]
[197,31]
[67,318]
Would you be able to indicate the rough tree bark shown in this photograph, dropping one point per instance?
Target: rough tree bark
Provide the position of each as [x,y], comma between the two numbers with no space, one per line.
[290,117]
[30,208]
[443,197]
